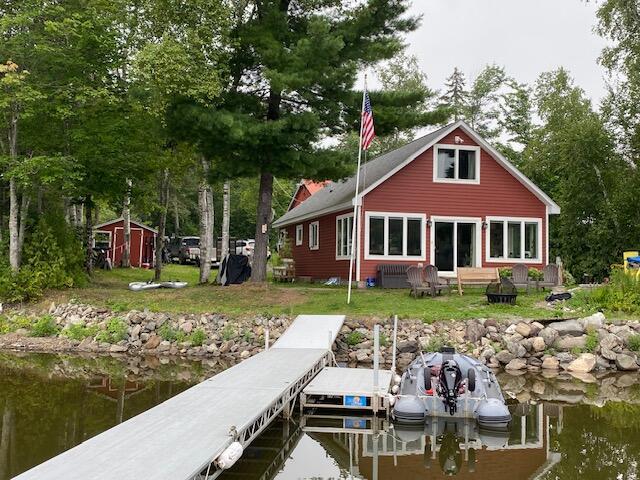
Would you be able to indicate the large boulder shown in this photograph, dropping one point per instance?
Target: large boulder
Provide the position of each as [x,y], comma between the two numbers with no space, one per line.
[568,342]
[516,349]
[626,362]
[408,346]
[550,363]
[475,331]
[568,327]
[516,364]
[504,356]
[523,329]
[153,342]
[538,344]
[549,335]
[595,321]
[583,364]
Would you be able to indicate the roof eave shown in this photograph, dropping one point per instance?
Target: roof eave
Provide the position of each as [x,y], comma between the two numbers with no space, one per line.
[317,213]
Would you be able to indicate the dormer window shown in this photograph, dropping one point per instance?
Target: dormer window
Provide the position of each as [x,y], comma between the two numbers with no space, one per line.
[454,163]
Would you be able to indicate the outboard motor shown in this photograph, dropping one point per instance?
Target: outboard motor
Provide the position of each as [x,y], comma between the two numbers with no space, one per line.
[450,379]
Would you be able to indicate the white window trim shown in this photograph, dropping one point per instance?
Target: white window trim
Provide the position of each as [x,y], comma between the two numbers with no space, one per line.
[299,235]
[423,219]
[342,217]
[505,242]
[317,245]
[457,149]
[475,220]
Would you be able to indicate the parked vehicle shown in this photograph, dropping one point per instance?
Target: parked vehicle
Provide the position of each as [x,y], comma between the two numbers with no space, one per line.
[184,250]
[246,247]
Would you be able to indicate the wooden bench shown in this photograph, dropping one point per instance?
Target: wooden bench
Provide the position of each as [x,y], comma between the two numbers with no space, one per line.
[393,275]
[476,276]
[285,272]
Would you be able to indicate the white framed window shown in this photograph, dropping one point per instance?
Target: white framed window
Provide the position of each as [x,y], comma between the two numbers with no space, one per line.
[456,164]
[455,242]
[314,235]
[299,235]
[514,240]
[395,236]
[344,226]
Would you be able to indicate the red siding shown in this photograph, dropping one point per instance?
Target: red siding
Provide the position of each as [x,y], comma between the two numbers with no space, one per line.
[142,243]
[412,190]
[321,263]
[301,195]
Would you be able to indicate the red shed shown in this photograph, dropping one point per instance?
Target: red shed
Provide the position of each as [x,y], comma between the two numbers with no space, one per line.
[143,240]
[448,198]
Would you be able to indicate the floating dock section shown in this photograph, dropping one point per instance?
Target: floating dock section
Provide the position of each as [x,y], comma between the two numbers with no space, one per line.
[180,438]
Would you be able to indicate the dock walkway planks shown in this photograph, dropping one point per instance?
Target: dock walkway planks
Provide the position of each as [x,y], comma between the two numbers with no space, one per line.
[177,439]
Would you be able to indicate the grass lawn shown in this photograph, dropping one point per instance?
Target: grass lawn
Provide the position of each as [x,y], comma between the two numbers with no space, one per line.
[110,289]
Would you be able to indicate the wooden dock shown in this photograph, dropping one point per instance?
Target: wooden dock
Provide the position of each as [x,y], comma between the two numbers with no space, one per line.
[178,439]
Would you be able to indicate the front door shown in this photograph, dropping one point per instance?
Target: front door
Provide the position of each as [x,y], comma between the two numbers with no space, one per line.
[455,244]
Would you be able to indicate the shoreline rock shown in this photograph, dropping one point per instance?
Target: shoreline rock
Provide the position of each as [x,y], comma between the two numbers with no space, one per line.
[516,344]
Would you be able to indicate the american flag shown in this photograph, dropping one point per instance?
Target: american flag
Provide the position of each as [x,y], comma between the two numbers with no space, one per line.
[368,131]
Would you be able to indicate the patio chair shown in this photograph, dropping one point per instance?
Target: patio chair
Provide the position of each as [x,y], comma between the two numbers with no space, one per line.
[418,285]
[550,277]
[436,284]
[520,276]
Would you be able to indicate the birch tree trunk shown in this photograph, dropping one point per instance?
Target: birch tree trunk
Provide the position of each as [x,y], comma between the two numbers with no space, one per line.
[162,224]
[14,253]
[205,204]
[24,210]
[176,215]
[88,234]
[226,219]
[126,230]
[263,226]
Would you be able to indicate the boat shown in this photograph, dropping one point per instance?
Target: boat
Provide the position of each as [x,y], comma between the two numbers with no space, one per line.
[139,286]
[450,384]
[173,284]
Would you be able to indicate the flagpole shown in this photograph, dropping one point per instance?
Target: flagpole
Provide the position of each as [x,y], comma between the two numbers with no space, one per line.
[355,198]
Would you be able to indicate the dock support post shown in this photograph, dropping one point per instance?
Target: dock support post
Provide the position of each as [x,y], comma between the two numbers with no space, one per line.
[376,367]
[395,340]
[266,339]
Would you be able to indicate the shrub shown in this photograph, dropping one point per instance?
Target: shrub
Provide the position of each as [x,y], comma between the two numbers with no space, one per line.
[45,327]
[354,338]
[535,274]
[384,340]
[197,337]
[505,272]
[167,332]
[11,324]
[116,331]
[634,342]
[621,294]
[228,333]
[592,341]
[80,331]
[576,351]
[435,344]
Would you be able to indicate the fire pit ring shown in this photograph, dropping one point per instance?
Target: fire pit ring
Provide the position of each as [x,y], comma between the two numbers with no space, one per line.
[503,292]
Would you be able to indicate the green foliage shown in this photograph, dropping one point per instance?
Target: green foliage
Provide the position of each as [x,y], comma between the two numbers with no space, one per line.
[592,341]
[80,331]
[115,332]
[622,294]
[45,327]
[170,334]
[228,332]
[354,337]
[435,343]
[577,350]
[633,341]
[535,274]
[384,340]
[13,323]
[197,337]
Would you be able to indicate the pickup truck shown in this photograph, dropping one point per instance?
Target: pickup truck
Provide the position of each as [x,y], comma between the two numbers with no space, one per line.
[187,250]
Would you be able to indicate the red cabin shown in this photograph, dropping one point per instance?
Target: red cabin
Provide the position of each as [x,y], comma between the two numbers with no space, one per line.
[448,199]
[143,240]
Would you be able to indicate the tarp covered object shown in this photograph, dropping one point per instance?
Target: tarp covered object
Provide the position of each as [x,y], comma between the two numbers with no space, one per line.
[234,269]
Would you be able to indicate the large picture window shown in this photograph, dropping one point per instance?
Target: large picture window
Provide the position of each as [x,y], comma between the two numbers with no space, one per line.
[456,164]
[344,224]
[395,236]
[514,239]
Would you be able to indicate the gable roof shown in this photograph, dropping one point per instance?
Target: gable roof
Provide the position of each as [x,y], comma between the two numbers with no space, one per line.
[121,219]
[339,195]
[311,186]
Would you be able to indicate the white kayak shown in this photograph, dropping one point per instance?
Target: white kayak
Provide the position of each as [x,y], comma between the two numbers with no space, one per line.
[139,286]
[173,284]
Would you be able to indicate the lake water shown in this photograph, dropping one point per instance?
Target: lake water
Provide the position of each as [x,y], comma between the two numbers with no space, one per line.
[563,427]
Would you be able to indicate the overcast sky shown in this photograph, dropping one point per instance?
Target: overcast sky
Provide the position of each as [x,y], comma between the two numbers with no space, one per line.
[526,37]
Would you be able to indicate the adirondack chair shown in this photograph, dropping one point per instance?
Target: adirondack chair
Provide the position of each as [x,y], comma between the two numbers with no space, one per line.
[418,285]
[520,276]
[550,277]
[436,283]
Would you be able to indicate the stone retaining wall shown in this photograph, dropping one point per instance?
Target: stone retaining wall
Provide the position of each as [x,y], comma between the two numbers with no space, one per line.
[580,346]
